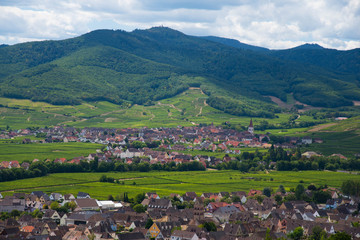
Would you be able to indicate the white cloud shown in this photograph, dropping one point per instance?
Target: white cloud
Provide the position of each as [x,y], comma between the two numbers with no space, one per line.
[268,23]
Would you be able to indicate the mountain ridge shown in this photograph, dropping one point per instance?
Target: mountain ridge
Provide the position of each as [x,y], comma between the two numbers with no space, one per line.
[144,66]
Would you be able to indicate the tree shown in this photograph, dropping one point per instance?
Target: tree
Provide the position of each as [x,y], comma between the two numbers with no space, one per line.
[278,199]
[351,187]
[235,199]
[299,191]
[138,144]
[62,209]
[70,205]
[318,234]
[4,215]
[139,208]
[281,189]
[297,234]
[149,223]
[103,178]
[259,198]
[126,198]
[267,192]
[94,164]
[321,196]
[54,205]
[340,236]
[36,213]
[210,226]
[139,197]
[15,213]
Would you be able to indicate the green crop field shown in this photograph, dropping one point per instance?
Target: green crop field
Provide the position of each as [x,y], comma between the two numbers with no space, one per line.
[165,183]
[186,109]
[346,143]
[22,152]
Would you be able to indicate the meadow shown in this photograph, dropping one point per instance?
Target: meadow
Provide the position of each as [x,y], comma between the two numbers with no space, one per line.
[165,183]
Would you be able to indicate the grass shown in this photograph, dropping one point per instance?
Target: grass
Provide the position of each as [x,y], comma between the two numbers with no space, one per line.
[165,183]
[23,152]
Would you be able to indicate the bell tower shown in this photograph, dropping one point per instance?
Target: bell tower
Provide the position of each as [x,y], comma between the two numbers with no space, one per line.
[251,127]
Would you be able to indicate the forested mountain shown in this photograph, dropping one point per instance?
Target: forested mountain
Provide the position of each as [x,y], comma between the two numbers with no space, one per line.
[144,66]
[235,43]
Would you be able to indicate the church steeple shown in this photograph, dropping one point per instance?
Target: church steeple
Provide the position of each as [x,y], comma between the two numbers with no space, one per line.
[251,127]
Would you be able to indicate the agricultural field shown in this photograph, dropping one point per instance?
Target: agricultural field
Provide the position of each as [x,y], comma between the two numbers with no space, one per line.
[165,183]
[24,152]
[186,109]
[346,143]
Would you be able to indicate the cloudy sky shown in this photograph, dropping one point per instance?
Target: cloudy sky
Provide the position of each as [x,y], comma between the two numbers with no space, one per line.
[274,24]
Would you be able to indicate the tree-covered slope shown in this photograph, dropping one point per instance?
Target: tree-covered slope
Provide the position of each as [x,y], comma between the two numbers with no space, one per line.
[234,43]
[147,65]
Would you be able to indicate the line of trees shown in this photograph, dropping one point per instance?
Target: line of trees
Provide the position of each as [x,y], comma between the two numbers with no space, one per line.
[39,169]
[287,161]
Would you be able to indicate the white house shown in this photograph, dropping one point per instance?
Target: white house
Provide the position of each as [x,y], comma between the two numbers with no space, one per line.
[183,235]
[109,205]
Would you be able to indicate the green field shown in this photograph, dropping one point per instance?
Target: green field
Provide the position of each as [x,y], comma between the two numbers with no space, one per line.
[165,183]
[186,109]
[346,143]
[22,152]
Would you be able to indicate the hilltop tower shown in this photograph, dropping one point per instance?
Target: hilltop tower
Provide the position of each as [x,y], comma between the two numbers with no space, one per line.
[251,127]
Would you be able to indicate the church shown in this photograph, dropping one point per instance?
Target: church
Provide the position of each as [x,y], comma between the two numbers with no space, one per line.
[251,127]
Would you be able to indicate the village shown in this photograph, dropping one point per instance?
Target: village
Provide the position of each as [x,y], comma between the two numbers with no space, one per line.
[156,145]
[211,216]
[257,214]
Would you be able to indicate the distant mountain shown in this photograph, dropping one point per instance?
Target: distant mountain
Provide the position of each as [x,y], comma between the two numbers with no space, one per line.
[344,62]
[309,46]
[234,43]
[143,66]
[3,45]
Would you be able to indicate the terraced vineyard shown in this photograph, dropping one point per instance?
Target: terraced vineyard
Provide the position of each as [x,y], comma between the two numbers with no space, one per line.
[186,109]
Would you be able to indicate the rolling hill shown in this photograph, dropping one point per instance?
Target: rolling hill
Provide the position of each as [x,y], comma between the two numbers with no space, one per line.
[144,66]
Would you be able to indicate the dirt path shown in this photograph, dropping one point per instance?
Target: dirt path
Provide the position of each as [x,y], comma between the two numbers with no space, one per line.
[199,112]
[152,117]
[169,105]
[318,128]
[205,103]
[110,119]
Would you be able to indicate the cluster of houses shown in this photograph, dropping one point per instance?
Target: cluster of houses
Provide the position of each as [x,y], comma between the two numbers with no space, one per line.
[174,142]
[244,219]
[207,137]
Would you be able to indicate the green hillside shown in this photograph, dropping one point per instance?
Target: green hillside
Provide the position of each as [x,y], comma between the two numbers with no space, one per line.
[145,66]
[187,109]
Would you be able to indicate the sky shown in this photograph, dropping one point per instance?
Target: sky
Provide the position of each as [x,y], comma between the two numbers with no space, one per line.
[275,24]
